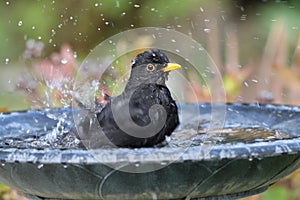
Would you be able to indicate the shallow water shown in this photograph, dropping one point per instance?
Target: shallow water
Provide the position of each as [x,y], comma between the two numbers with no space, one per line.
[226,135]
[23,135]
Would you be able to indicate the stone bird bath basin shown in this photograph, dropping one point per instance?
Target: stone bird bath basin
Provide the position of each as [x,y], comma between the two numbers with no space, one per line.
[214,169]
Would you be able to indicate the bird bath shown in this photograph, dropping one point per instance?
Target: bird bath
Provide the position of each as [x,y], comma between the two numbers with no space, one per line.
[239,167]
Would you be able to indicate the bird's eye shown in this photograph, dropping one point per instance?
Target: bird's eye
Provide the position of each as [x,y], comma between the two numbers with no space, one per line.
[150,67]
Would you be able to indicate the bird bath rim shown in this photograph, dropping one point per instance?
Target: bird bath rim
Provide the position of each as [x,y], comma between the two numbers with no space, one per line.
[213,171]
[156,155]
[204,152]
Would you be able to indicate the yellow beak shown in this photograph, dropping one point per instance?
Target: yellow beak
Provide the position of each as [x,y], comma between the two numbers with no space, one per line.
[171,67]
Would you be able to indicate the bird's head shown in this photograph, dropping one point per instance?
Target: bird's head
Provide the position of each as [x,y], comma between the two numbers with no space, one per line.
[151,66]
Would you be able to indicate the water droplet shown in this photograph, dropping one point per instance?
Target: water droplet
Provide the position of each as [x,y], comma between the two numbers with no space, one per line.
[243,17]
[71,18]
[246,84]
[164,163]
[75,54]
[96,4]
[53,32]
[136,5]
[39,37]
[206,30]
[201,9]
[173,40]
[259,158]
[137,164]
[33,27]
[153,9]
[20,23]
[131,25]
[7,3]
[99,28]
[254,81]
[65,166]
[6,61]
[40,166]
[106,23]
[64,61]
[123,13]
[2,164]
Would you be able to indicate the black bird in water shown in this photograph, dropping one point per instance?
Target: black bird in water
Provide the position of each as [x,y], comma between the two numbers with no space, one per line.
[145,112]
[139,117]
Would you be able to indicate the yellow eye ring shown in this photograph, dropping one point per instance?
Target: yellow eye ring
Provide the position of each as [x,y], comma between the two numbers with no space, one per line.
[150,67]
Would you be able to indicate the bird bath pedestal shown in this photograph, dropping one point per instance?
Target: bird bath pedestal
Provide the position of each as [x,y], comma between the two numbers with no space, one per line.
[224,170]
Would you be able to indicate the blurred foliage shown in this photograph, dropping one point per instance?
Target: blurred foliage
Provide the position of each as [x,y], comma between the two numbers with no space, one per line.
[82,24]
[281,192]
[276,193]
[252,42]
[9,194]
[286,189]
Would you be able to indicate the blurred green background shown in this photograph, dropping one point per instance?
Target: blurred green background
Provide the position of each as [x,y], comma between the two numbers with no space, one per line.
[255,44]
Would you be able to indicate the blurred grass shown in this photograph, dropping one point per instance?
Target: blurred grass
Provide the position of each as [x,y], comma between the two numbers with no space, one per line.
[276,192]
[13,101]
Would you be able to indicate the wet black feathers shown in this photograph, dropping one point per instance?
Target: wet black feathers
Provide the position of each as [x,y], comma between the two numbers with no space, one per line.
[150,56]
[142,92]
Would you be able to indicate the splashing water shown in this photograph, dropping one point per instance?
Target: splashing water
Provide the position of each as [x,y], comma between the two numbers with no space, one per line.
[58,134]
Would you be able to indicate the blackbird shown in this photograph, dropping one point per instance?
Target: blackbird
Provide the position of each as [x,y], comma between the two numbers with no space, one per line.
[145,112]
